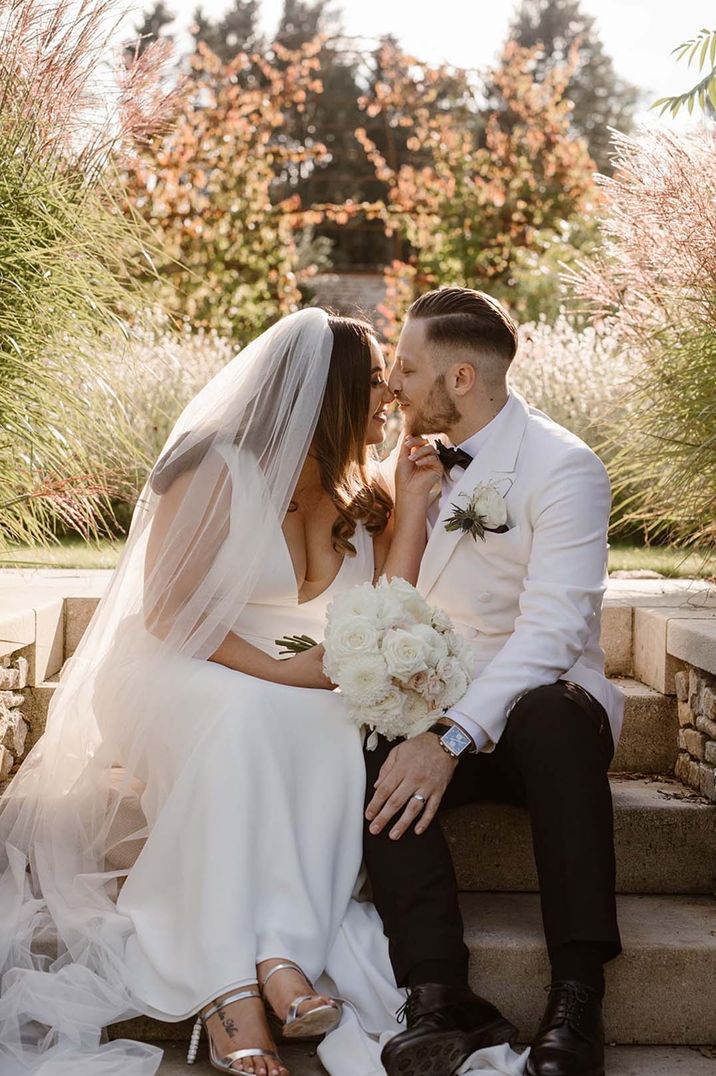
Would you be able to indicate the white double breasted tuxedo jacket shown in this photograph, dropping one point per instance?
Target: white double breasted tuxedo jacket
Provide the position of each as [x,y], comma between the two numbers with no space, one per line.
[528,600]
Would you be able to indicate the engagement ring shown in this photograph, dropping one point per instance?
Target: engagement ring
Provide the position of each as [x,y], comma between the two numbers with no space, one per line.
[419,796]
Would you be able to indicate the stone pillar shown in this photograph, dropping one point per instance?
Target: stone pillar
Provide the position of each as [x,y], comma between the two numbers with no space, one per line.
[13,727]
[696,764]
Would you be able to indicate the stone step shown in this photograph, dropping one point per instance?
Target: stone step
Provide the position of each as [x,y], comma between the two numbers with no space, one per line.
[649,738]
[665,838]
[648,743]
[620,1061]
[660,991]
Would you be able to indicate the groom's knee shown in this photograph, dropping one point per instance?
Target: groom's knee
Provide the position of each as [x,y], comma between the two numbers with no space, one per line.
[549,719]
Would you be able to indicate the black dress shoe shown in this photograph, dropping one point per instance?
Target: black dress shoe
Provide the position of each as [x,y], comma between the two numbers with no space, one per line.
[445,1025]
[570,1039]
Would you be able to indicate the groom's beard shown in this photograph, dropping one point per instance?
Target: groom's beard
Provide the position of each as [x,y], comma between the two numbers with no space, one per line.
[438,414]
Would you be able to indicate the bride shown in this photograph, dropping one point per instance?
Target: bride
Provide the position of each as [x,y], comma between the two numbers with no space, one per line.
[186,836]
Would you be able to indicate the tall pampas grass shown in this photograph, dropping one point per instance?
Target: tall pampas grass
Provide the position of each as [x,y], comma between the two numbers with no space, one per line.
[67,249]
[655,285]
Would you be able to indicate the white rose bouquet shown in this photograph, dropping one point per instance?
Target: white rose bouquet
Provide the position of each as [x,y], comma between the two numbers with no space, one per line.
[398,661]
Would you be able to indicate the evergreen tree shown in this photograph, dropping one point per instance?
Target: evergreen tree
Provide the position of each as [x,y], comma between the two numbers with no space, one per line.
[236,31]
[154,21]
[332,118]
[601,98]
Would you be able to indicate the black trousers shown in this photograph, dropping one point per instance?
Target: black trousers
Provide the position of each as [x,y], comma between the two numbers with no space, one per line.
[553,759]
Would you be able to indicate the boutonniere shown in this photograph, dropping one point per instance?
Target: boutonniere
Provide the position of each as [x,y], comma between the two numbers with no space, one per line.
[485,511]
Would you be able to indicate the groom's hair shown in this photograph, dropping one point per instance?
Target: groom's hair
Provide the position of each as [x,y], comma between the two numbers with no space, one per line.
[467,318]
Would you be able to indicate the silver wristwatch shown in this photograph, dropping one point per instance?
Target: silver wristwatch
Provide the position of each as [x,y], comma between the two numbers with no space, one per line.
[454,740]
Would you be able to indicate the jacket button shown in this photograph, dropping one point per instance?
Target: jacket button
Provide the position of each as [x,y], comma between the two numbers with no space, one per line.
[485,596]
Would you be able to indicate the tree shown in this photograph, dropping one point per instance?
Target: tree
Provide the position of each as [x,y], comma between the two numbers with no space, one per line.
[600,97]
[475,194]
[154,21]
[208,187]
[237,30]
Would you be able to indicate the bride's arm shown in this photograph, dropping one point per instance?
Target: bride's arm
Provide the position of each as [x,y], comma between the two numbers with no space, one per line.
[399,550]
[165,599]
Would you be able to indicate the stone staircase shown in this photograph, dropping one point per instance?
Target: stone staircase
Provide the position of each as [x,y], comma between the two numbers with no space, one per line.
[661,993]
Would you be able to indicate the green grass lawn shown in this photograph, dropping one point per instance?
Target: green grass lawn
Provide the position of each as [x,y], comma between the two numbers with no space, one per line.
[75,553]
[673,563]
[70,553]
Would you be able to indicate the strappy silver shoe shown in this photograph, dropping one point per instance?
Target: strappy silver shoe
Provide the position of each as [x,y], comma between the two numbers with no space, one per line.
[223,1064]
[313,1024]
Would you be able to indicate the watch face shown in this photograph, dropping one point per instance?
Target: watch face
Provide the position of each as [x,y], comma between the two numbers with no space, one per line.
[456,740]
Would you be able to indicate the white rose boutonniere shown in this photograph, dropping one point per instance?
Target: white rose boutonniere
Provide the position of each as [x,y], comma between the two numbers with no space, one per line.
[485,511]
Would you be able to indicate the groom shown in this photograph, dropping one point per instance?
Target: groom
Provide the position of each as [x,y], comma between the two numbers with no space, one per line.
[539,722]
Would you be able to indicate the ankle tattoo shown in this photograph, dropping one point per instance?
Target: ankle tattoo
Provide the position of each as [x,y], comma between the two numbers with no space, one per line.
[228,1024]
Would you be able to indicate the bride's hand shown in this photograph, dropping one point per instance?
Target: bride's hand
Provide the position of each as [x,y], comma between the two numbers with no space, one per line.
[418,469]
[305,669]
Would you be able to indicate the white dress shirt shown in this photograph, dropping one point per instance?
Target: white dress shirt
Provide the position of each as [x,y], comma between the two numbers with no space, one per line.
[472,445]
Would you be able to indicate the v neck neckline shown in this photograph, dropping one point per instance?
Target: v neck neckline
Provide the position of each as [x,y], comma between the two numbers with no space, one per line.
[289,560]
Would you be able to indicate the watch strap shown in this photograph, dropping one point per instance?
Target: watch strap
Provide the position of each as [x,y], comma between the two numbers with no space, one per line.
[439,728]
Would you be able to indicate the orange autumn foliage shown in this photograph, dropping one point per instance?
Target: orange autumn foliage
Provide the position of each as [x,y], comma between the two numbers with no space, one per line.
[481,188]
[217,190]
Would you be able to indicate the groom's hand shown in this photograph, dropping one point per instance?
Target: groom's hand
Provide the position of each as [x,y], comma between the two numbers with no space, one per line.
[417,765]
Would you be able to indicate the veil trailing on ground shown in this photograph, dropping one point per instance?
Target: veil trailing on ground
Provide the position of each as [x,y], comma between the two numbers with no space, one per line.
[75,816]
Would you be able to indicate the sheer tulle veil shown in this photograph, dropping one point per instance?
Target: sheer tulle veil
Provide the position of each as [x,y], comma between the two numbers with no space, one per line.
[74,817]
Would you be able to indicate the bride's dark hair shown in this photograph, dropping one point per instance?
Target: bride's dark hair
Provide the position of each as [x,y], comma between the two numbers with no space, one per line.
[339,443]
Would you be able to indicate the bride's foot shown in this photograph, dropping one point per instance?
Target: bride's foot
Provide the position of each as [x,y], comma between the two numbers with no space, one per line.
[242,1025]
[282,991]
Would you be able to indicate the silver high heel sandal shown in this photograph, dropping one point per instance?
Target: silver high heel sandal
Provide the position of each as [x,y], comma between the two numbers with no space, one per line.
[223,1064]
[313,1024]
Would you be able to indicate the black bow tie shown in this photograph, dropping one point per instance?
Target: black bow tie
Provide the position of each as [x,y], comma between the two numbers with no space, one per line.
[452,457]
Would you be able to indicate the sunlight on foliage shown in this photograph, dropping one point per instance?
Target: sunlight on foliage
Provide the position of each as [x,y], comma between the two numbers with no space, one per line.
[655,284]
[66,256]
[702,46]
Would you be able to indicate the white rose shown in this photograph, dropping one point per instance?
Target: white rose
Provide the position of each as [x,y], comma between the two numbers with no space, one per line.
[455,688]
[404,653]
[361,600]
[460,649]
[436,647]
[489,504]
[411,601]
[391,704]
[434,688]
[390,613]
[441,621]
[418,681]
[446,668]
[348,638]
[365,679]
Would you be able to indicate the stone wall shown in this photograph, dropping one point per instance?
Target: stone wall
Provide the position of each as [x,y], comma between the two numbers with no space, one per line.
[696,764]
[13,727]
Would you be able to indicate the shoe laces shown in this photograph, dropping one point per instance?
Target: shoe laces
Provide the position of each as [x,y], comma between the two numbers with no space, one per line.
[571,1001]
[405,1012]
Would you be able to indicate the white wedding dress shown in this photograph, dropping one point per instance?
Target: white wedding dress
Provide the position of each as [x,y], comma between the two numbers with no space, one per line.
[255,823]
[254,807]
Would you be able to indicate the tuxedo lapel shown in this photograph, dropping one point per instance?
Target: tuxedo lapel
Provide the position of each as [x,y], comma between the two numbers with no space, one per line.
[496,459]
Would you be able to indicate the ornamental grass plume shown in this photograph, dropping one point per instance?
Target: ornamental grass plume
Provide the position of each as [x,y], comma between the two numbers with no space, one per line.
[67,251]
[655,285]
[579,376]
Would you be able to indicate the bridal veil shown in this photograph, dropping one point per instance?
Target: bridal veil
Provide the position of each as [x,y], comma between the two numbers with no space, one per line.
[71,822]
